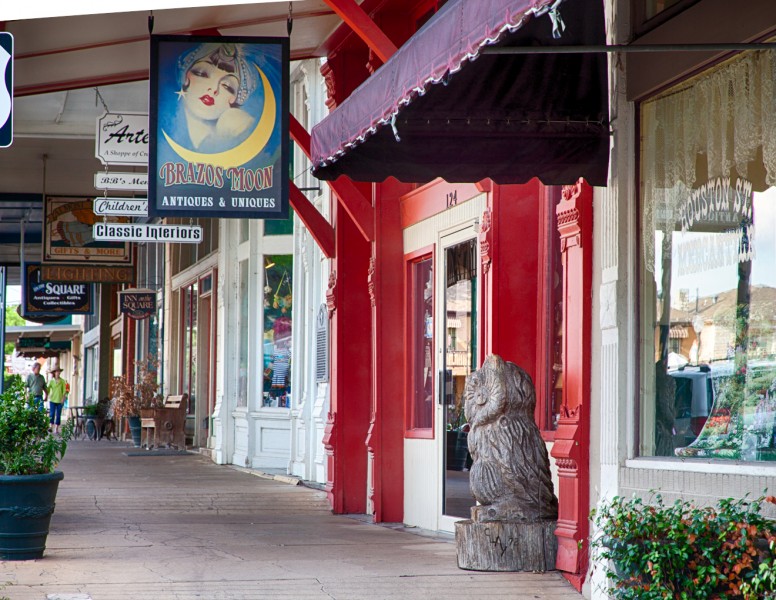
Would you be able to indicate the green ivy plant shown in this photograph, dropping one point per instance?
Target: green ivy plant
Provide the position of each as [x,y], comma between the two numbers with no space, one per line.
[655,550]
[26,445]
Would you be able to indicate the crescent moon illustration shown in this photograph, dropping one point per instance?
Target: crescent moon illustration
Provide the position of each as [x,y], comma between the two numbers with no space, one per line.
[242,153]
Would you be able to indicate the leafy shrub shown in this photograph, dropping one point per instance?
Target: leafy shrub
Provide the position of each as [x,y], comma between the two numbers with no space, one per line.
[654,551]
[26,445]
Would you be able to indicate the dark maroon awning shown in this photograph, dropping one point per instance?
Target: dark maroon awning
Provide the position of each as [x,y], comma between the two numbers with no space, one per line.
[440,107]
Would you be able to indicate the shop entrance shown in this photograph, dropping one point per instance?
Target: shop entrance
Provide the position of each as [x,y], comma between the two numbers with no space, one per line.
[457,355]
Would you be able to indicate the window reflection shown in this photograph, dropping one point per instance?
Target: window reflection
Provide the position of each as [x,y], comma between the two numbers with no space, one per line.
[278,299]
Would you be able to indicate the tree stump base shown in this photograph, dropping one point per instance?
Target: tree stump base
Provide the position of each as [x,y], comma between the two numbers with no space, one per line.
[506,545]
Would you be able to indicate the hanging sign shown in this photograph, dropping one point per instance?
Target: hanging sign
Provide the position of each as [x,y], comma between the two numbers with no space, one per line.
[6,90]
[46,298]
[32,342]
[88,273]
[219,153]
[121,207]
[137,304]
[134,232]
[130,182]
[122,139]
[67,235]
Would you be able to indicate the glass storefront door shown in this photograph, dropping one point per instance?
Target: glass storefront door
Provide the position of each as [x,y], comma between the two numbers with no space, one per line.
[457,352]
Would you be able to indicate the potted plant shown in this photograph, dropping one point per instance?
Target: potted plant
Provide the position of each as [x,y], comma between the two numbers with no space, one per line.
[654,550]
[130,396]
[29,454]
[94,418]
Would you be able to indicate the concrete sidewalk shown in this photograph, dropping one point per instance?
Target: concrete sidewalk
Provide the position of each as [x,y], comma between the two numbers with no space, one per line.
[181,527]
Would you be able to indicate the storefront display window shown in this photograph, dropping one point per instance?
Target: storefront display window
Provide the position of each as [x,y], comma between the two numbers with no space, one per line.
[708,293]
[421,335]
[242,394]
[278,298]
[190,301]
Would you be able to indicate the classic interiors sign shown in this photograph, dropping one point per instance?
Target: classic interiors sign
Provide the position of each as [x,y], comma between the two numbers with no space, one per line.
[67,235]
[219,117]
[134,232]
[46,298]
[137,303]
[122,139]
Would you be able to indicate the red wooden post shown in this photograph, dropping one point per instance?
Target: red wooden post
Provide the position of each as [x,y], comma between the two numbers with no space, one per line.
[385,440]
[571,449]
[348,419]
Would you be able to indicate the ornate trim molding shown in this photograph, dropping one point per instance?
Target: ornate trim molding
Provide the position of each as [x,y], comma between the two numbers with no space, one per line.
[485,237]
[370,281]
[331,299]
[331,85]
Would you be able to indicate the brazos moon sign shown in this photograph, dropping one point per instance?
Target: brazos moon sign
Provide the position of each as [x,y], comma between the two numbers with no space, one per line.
[219,123]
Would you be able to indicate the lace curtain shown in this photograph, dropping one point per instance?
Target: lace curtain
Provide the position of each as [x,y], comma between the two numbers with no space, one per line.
[725,116]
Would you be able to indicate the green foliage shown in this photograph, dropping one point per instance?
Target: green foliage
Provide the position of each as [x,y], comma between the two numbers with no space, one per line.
[655,551]
[13,318]
[98,409]
[10,380]
[26,445]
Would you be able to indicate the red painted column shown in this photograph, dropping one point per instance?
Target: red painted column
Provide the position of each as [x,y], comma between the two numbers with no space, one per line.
[514,272]
[350,335]
[572,438]
[385,440]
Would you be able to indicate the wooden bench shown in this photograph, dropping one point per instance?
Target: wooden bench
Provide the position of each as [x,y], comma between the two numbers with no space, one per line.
[168,423]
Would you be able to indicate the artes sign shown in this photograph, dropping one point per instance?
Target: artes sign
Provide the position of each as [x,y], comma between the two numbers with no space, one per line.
[137,303]
[122,139]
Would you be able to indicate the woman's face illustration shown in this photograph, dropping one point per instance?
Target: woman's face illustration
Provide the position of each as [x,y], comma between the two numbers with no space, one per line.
[211,90]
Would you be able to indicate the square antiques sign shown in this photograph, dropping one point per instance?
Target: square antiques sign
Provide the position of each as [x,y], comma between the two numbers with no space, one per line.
[219,127]
[46,298]
[68,239]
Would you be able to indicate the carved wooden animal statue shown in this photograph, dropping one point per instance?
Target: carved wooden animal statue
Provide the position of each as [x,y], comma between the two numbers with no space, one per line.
[510,475]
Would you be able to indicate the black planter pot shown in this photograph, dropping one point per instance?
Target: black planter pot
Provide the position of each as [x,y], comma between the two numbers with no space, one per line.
[26,506]
[135,429]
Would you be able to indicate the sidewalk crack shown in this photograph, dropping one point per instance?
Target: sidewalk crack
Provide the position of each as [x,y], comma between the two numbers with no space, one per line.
[323,589]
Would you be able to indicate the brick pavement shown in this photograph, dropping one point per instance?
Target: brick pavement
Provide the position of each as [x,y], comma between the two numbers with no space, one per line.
[181,527]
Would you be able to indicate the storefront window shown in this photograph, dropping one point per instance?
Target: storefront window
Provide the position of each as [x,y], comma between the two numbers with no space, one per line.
[190,300]
[278,297]
[708,310]
[421,336]
[242,393]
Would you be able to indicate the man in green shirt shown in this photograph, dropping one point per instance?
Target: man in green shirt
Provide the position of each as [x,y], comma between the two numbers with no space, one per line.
[56,398]
[36,385]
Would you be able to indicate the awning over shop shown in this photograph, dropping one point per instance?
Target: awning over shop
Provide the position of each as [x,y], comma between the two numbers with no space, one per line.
[440,107]
[678,332]
[42,340]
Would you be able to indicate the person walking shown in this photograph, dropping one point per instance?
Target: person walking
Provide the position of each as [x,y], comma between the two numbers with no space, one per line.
[36,386]
[56,396]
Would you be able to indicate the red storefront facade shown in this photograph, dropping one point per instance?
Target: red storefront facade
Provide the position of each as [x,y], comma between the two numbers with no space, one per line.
[475,256]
